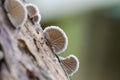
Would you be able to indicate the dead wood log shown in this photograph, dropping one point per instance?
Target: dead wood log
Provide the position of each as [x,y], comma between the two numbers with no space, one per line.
[24,54]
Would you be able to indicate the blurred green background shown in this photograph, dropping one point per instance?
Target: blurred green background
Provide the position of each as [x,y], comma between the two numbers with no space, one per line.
[93,29]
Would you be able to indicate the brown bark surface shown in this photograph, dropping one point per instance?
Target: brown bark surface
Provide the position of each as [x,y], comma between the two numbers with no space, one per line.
[24,54]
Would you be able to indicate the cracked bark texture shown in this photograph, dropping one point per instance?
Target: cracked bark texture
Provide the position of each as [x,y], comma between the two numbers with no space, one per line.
[24,54]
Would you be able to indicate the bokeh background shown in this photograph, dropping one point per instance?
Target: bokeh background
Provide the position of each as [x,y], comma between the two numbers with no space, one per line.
[93,29]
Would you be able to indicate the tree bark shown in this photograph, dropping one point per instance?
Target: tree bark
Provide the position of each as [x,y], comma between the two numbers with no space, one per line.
[24,54]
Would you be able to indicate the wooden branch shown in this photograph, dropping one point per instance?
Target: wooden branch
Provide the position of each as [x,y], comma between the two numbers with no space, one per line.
[25,53]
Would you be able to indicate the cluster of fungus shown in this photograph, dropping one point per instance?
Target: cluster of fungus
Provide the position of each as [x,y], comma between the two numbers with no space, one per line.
[18,12]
